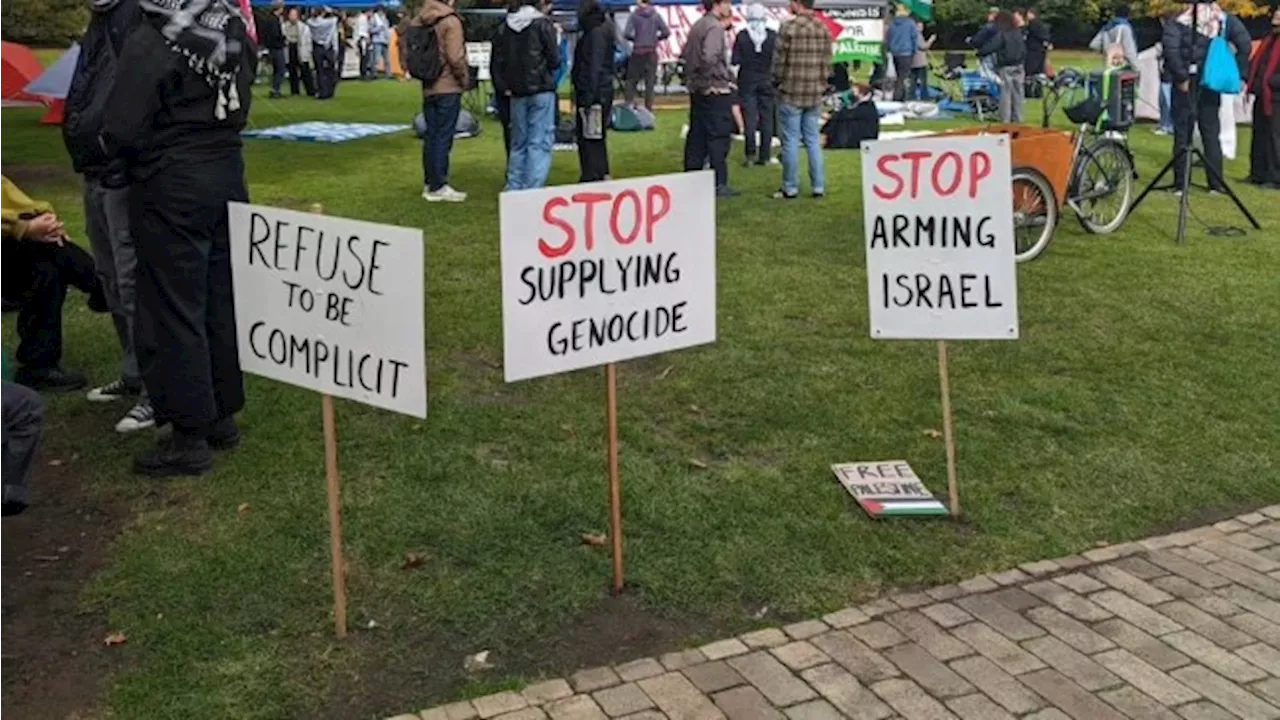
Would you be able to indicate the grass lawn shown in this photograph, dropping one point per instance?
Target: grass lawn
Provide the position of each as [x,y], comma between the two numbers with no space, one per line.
[1142,394]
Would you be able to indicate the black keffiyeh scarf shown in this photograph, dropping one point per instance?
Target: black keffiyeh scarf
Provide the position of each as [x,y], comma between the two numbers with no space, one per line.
[208,33]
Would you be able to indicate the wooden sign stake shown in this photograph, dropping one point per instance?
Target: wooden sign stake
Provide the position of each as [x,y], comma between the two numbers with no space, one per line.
[615,482]
[948,436]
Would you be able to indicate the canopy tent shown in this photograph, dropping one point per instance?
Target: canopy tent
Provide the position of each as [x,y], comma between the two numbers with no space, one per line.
[335,4]
[54,83]
[20,67]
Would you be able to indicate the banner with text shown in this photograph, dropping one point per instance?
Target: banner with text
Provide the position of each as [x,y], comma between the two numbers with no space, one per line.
[331,304]
[857,32]
[604,272]
[938,215]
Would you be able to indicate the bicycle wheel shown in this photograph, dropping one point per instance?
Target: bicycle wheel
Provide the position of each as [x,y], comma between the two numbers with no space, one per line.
[1035,214]
[1102,187]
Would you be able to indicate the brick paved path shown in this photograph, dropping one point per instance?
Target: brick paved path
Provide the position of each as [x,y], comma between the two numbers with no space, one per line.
[1185,626]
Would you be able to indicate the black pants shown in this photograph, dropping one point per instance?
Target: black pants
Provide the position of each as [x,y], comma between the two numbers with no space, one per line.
[593,155]
[710,130]
[902,86]
[758,116]
[642,67]
[503,105]
[185,328]
[23,418]
[1264,156]
[1206,118]
[326,71]
[299,71]
[441,115]
[39,273]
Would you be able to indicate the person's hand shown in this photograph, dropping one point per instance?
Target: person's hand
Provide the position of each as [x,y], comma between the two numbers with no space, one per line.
[45,228]
[1184,86]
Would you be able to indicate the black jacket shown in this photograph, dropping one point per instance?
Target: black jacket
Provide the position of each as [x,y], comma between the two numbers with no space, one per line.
[983,36]
[270,34]
[593,61]
[1008,46]
[1037,35]
[1184,46]
[91,82]
[754,68]
[525,61]
[163,112]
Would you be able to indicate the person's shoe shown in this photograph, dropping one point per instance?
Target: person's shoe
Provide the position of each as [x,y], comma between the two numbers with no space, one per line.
[748,163]
[225,434]
[275,95]
[784,195]
[97,301]
[444,194]
[53,379]
[139,417]
[174,456]
[1161,131]
[113,391]
[819,194]
[724,191]
[775,161]
[12,507]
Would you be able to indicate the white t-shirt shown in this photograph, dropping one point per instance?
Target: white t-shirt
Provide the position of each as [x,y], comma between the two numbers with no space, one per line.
[361,30]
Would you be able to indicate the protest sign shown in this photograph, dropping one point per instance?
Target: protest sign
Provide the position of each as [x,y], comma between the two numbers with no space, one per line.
[479,56]
[886,489]
[604,272]
[938,215]
[331,304]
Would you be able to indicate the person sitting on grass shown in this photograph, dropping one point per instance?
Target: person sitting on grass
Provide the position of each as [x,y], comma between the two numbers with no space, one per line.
[39,265]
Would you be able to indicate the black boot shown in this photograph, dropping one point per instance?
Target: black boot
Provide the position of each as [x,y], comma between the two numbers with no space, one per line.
[53,379]
[176,455]
[225,434]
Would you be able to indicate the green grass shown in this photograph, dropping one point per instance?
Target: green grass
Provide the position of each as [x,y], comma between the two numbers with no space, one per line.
[1141,393]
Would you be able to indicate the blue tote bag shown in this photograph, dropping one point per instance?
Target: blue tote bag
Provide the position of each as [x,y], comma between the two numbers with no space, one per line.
[1221,73]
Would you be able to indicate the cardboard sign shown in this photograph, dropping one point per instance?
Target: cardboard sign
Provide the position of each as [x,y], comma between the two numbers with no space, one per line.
[939,238]
[331,304]
[479,55]
[887,489]
[608,271]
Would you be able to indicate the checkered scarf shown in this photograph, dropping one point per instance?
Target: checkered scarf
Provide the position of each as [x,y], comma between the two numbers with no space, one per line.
[209,34]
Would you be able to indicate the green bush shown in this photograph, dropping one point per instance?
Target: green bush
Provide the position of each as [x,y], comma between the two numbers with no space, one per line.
[46,23]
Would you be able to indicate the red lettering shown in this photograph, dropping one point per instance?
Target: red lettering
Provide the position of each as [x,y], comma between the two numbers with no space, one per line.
[590,199]
[549,251]
[635,216]
[979,169]
[915,156]
[957,174]
[653,212]
[883,165]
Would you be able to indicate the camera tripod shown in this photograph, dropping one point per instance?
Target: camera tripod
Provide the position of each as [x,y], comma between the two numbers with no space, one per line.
[1186,156]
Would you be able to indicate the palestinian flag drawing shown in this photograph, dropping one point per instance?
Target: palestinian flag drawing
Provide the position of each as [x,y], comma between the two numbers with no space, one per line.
[888,489]
[856,32]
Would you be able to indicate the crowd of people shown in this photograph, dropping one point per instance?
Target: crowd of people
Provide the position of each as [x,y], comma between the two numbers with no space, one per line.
[312,51]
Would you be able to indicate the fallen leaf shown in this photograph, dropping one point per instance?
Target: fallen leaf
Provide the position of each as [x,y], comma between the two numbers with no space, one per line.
[413,561]
[47,558]
[594,539]
[242,508]
[372,624]
[695,408]
[477,662]
[698,463]
[935,434]
[115,638]
[55,462]
[759,614]
[64,549]
[666,372]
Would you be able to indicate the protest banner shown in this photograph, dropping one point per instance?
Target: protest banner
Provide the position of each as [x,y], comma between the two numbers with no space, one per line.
[857,31]
[887,489]
[599,273]
[938,221]
[336,306]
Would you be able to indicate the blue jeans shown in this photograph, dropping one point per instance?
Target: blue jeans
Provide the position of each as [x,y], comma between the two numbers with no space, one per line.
[533,133]
[800,125]
[441,115]
[279,63]
[379,53]
[1166,111]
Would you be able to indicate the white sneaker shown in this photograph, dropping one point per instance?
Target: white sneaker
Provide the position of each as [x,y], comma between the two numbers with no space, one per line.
[774,161]
[112,391]
[444,194]
[139,417]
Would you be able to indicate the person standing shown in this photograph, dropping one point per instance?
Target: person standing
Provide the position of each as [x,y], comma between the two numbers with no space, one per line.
[800,73]
[526,55]
[379,43]
[297,35]
[1116,39]
[980,38]
[920,63]
[753,52]
[900,39]
[1264,85]
[106,208]
[1039,42]
[271,35]
[1009,50]
[324,50]
[1185,47]
[645,30]
[441,95]
[173,122]
[360,36]
[706,67]
[592,76]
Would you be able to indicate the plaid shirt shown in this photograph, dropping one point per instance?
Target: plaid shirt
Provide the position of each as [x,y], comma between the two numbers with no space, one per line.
[802,61]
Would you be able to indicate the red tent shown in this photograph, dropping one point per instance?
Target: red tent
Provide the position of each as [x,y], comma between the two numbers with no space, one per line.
[20,68]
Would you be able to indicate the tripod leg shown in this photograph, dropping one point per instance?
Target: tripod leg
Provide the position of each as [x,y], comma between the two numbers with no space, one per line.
[1221,182]
[1155,182]
[1185,199]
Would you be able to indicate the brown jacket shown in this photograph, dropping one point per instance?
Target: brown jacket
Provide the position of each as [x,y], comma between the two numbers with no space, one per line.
[453,78]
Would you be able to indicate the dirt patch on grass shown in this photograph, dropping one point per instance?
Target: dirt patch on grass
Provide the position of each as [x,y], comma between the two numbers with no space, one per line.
[40,175]
[55,661]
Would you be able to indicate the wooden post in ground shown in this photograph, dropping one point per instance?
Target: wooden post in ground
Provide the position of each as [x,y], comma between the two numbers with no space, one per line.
[948,434]
[615,482]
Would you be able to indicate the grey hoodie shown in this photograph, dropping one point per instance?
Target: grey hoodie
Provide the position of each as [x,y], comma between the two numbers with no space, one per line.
[523,18]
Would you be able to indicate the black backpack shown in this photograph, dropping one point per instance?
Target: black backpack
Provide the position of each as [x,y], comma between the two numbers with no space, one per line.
[422,51]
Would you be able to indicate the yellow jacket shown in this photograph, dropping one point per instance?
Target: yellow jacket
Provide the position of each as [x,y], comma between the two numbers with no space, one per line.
[18,209]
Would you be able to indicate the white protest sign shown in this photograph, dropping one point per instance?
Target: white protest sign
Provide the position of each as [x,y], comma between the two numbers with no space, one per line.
[604,272]
[331,304]
[939,237]
[478,57]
